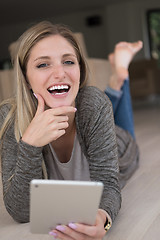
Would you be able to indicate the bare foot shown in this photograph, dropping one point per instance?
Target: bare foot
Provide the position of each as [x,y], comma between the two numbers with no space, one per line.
[123,54]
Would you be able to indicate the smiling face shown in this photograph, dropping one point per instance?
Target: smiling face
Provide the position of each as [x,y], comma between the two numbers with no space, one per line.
[53,71]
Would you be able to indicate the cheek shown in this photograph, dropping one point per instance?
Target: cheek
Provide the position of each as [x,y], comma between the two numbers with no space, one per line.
[30,78]
[31,81]
[76,76]
[35,80]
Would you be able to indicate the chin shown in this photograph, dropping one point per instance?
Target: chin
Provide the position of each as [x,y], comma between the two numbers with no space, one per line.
[60,104]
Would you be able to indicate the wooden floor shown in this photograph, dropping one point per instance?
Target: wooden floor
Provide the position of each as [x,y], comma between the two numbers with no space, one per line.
[139,217]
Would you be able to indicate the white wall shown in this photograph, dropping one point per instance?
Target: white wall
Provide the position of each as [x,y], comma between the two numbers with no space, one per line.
[120,21]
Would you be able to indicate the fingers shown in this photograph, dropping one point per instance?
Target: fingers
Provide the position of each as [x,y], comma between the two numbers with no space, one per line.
[93,232]
[41,104]
[48,124]
[63,110]
[57,134]
[66,233]
[56,111]
[78,231]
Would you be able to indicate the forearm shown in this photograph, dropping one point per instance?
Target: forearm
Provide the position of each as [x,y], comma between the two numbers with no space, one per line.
[20,164]
[111,197]
[111,202]
[105,164]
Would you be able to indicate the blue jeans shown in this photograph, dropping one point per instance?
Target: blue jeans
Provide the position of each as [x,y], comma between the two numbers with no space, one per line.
[122,107]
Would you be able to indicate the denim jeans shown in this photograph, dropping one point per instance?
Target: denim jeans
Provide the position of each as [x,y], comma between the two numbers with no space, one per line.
[122,107]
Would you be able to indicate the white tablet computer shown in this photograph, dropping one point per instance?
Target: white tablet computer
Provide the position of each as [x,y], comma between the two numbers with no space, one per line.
[54,202]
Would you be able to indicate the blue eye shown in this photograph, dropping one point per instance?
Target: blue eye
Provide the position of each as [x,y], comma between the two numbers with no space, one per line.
[69,62]
[42,65]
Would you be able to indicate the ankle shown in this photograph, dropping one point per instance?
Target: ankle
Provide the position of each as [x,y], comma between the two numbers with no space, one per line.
[115,82]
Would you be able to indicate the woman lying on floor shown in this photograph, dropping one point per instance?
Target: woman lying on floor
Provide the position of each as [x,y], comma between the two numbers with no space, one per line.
[57,128]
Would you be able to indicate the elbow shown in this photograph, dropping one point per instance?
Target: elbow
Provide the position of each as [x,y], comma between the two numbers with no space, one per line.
[19,215]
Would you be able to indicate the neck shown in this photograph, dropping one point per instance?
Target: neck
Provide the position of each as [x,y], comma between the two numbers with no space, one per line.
[71,123]
[70,131]
[63,146]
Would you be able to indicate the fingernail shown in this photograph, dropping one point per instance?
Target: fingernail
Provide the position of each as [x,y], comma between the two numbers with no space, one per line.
[60,228]
[35,95]
[75,109]
[72,225]
[53,234]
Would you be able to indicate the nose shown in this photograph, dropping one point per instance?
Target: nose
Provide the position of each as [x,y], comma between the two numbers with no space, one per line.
[58,71]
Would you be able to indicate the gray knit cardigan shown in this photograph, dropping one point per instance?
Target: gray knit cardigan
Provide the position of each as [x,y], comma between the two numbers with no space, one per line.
[96,132]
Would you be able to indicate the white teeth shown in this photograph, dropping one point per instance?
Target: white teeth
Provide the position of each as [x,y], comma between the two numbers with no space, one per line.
[58,87]
[59,93]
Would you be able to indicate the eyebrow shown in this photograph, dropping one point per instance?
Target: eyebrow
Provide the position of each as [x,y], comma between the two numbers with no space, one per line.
[41,57]
[70,55]
[47,57]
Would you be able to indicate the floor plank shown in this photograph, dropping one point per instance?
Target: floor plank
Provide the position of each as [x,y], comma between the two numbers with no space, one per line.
[139,217]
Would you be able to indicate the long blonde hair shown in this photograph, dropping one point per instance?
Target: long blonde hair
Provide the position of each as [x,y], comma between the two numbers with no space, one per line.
[23,107]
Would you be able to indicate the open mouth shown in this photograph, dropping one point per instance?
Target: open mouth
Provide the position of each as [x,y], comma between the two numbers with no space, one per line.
[58,89]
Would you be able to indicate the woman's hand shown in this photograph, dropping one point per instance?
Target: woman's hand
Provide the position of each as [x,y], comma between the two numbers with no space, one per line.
[47,125]
[77,231]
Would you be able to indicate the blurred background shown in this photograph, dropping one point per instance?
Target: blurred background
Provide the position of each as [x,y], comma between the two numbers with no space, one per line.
[102,23]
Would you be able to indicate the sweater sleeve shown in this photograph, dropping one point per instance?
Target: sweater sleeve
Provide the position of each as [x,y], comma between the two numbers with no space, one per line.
[20,164]
[97,137]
